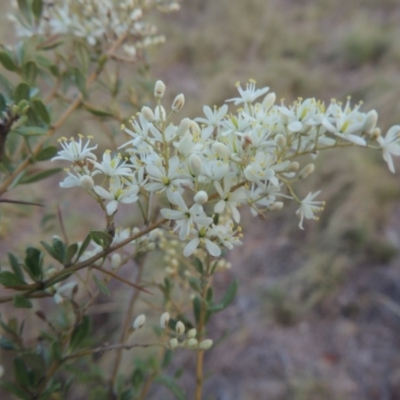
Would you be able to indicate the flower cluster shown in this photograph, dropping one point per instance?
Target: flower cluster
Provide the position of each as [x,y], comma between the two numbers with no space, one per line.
[97,21]
[207,167]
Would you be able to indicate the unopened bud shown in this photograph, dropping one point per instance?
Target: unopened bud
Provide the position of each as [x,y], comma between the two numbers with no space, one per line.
[173,343]
[192,333]
[370,121]
[148,114]
[195,164]
[280,140]
[164,320]
[221,150]
[178,103]
[306,171]
[159,89]
[116,260]
[375,133]
[201,197]
[276,206]
[269,101]
[205,344]
[293,166]
[183,127]
[192,343]
[180,328]
[139,322]
[87,182]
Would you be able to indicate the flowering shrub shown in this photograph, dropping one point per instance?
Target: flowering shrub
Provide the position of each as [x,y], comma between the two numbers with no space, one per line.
[188,179]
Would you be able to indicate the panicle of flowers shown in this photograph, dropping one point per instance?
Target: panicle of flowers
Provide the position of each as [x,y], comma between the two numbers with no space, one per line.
[97,21]
[207,168]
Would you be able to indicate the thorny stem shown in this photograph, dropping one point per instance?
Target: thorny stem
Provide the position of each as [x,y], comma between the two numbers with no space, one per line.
[126,325]
[73,106]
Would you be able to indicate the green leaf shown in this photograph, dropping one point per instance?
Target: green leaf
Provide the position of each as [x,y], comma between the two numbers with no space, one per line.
[226,299]
[23,6]
[6,86]
[7,344]
[71,251]
[7,62]
[40,109]
[80,333]
[138,377]
[210,294]
[83,55]
[21,372]
[197,308]
[101,238]
[37,8]
[22,92]
[34,262]
[3,103]
[194,283]
[39,176]
[172,385]
[15,390]
[36,364]
[230,294]
[16,266]
[101,285]
[84,245]
[56,351]
[9,279]
[47,153]
[98,112]
[20,301]
[30,72]
[198,265]
[30,131]
[80,80]
[59,248]
[50,250]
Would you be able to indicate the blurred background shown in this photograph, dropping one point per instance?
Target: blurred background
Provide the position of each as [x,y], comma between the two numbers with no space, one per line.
[317,315]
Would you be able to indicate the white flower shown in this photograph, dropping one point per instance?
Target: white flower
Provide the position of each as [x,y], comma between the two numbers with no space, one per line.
[308,206]
[201,236]
[184,216]
[75,151]
[390,145]
[249,94]
[213,120]
[229,200]
[118,192]
[84,181]
[112,166]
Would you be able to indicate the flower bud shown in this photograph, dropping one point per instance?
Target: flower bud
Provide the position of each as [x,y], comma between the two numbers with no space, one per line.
[221,150]
[195,164]
[116,260]
[178,103]
[293,166]
[269,101]
[164,320]
[192,343]
[276,206]
[201,197]
[180,328]
[192,333]
[306,171]
[173,343]
[148,114]
[159,89]
[139,322]
[205,344]
[370,121]
[86,182]
[183,127]
[280,140]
